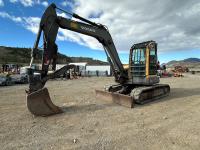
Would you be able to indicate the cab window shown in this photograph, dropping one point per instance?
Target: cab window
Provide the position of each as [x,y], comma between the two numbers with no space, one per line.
[139,56]
[152,52]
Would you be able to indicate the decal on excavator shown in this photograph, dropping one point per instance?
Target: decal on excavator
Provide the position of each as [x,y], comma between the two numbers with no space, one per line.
[74,25]
[87,29]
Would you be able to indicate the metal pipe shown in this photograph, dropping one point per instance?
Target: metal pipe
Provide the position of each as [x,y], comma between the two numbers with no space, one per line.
[35,47]
[85,20]
[78,17]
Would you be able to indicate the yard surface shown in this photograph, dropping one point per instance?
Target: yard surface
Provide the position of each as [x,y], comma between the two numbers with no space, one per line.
[92,124]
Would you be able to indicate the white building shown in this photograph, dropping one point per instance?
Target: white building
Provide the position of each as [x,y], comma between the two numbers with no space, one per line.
[102,70]
[59,66]
[81,65]
[91,70]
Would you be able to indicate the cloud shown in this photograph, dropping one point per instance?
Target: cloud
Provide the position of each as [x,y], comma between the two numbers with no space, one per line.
[13,1]
[64,3]
[68,3]
[32,24]
[66,35]
[45,3]
[1,3]
[27,3]
[174,24]
[62,14]
[29,23]
[13,18]
[30,3]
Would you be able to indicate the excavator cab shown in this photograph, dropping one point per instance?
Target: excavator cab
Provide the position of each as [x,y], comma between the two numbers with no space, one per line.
[143,59]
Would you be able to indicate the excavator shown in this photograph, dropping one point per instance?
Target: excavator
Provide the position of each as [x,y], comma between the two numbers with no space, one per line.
[138,84]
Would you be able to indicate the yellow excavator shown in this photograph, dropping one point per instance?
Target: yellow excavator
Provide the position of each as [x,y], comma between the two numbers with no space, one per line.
[137,84]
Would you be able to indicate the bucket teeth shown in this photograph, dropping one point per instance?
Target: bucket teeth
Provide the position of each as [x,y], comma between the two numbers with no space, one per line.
[39,103]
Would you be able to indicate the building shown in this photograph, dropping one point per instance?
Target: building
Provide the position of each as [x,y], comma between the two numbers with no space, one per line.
[98,70]
[81,65]
[89,70]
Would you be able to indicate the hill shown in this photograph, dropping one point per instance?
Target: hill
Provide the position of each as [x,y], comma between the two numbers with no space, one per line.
[15,55]
[189,62]
[192,60]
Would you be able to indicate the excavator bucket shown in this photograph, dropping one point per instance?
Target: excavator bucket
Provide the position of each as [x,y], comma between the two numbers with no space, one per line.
[117,98]
[39,103]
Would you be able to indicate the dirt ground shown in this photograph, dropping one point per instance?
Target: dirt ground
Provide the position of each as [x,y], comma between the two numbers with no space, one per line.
[91,124]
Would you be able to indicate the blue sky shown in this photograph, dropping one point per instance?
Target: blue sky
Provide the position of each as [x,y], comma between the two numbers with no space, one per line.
[19,18]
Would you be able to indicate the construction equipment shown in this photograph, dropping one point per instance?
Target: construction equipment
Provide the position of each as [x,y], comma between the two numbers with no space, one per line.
[179,70]
[138,84]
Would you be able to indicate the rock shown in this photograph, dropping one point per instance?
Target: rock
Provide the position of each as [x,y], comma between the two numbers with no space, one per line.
[165,117]
[75,140]
[96,123]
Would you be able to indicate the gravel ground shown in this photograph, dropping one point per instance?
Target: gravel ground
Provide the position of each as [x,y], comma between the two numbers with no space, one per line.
[90,124]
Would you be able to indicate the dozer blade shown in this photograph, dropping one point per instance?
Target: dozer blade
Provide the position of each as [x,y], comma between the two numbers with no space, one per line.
[117,98]
[39,103]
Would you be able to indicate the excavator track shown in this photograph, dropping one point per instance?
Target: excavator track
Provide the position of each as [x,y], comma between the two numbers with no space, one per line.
[142,95]
[139,95]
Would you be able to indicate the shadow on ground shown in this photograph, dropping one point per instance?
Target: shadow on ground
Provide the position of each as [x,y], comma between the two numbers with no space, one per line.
[69,110]
[176,93]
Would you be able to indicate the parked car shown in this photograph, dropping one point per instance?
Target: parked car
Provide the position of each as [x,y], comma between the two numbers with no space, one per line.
[5,80]
[20,78]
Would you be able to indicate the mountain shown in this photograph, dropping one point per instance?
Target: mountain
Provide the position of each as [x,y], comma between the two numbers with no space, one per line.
[192,60]
[15,55]
[189,62]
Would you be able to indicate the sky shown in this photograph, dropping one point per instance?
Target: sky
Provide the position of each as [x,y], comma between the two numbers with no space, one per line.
[173,24]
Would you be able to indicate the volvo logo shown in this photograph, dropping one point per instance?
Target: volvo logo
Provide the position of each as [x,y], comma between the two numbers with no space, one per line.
[87,29]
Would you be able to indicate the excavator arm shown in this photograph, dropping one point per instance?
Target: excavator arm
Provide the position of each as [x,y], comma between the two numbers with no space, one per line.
[103,36]
[38,99]
[49,25]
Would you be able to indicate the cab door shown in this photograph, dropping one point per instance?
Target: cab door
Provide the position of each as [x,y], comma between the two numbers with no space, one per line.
[138,62]
[151,59]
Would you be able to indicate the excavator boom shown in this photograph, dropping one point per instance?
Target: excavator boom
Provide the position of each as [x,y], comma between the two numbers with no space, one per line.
[38,99]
